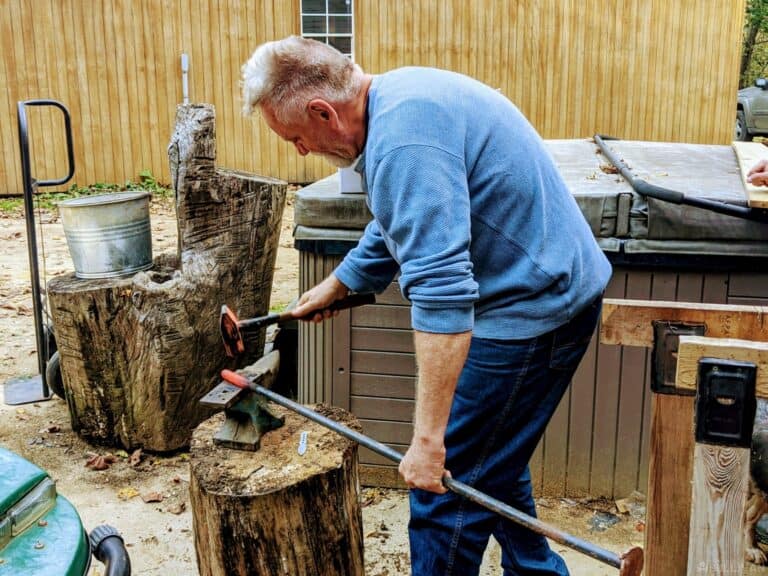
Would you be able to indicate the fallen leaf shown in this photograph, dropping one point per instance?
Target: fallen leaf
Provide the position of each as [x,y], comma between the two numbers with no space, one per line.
[121,454]
[127,493]
[152,497]
[177,508]
[99,462]
[52,429]
[135,458]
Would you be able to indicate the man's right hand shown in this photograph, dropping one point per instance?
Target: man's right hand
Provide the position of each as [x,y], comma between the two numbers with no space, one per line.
[319,297]
[758,174]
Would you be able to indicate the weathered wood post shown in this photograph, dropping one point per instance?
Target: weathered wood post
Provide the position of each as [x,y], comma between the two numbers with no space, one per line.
[687,530]
[138,352]
[291,508]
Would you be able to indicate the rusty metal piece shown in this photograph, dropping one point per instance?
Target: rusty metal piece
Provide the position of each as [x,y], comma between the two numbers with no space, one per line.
[632,562]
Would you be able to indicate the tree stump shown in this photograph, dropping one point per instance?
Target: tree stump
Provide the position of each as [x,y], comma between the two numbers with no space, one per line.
[275,512]
[137,353]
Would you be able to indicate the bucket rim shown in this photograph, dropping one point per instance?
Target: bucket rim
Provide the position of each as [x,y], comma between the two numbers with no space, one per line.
[101,199]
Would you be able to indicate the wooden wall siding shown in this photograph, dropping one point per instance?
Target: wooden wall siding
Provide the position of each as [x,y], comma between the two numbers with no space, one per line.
[574,67]
[634,69]
[597,442]
[116,66]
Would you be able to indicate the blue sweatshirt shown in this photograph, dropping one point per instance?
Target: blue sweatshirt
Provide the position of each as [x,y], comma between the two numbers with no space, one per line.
[469,207]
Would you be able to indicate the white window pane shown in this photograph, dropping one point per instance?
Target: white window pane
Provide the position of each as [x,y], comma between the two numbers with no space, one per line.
[340,24]
[340,6]
[313,6]
[313,24]
[341,44]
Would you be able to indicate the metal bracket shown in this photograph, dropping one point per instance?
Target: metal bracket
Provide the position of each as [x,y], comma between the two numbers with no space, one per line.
[666,342]
[725,402]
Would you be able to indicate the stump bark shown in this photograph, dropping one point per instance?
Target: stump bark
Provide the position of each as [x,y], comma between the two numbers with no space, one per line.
[275,512]
[137,353]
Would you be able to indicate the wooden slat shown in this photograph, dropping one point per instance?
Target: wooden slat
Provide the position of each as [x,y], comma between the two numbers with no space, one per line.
[692,348]
[373,408]
[382,339]
[581,418]
[748,154]
[392,363]
[629,322]
[403,387]
[720,485]
[369,457]
[382,316]
[669,488]
[588,48]
[387,431]
[748,285]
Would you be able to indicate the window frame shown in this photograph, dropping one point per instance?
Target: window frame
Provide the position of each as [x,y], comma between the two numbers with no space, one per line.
[326,36]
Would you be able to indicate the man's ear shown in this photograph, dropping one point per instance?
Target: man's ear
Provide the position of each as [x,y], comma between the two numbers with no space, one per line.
[322,111]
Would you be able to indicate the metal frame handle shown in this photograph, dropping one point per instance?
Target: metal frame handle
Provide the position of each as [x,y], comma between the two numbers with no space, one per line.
[29,185]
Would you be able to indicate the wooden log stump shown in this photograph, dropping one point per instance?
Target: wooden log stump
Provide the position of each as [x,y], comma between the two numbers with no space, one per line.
[137,353]
[275,512]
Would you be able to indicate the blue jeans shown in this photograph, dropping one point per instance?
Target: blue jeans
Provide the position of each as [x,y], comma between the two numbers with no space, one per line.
[505,396]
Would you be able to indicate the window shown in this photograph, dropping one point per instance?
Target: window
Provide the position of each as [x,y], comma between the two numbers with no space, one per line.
[329,21]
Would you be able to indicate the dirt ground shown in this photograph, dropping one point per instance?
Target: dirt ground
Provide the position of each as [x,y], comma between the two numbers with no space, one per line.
[148,500]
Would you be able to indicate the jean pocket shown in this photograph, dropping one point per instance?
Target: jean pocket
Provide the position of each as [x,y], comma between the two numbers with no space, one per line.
[569,342]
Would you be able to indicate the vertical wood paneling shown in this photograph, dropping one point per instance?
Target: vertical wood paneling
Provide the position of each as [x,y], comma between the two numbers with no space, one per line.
[574,68]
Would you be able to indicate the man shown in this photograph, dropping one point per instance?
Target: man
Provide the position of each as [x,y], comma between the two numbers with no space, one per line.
[502,272]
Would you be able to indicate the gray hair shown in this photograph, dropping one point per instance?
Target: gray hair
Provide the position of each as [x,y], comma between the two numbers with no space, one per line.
[286,74]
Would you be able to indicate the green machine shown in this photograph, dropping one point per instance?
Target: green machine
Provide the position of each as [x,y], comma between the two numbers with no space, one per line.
[41,533]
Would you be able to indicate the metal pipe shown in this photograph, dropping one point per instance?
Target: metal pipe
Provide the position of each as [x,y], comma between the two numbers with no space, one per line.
[674,196]
[534,524]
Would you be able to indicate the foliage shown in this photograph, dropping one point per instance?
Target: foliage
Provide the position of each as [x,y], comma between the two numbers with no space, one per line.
[754,59]
[48,200]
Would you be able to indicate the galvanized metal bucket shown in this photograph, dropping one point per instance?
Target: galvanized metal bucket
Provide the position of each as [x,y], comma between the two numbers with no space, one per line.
[108,235]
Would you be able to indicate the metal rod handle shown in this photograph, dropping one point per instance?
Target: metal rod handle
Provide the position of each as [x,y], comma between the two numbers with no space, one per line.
[534,524]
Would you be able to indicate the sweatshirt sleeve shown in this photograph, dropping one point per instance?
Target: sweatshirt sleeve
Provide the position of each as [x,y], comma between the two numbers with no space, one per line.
[369,267]
[420,196]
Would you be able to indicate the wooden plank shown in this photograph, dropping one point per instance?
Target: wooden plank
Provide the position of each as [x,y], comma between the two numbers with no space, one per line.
[748,154]
[631,393]
[382,316]
[382,339]
[341,360]
[580,429]
[720,486]
[388,431]
[669,490]
[392,363]
[383,386]
[607,375]
[692,348]
[748,285]
[374,408]
[369,457]
[629,322]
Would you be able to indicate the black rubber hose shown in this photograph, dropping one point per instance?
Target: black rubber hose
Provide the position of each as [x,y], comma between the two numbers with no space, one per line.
[674,196]
[108,548]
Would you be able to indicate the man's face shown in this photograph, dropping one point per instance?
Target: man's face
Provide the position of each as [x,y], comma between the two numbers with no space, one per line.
[312,136]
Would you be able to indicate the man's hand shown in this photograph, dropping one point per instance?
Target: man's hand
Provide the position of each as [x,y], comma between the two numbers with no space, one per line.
[319,297]
[423,465]
[758,174]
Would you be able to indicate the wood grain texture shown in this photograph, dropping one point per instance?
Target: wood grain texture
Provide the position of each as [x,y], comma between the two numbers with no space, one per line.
[693,348]
[138,352]
[748,154]
[669,487]
[274,511]
[116,65]
[630,322]
[720,484]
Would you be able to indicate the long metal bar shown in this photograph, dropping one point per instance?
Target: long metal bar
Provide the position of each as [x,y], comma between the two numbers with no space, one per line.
[674,196]
[534,524]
